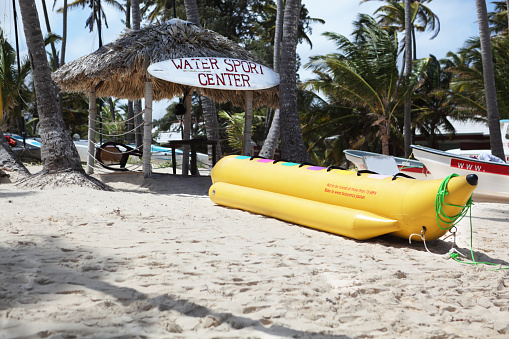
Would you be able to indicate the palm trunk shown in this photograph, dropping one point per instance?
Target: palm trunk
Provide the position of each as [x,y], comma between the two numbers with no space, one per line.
[507,8]
[211,124]
[112,109]
[9,162]
[277,36]
[48,28]
[138,119]
[62,53]
[127,13]
[292,145]
[248,122]
[130,138]
[58,151]
[385,130]
[138,123]
[270,144]
[99,24]
[192,11]
[136,13]
[407,120]
[130,123]
[489,81]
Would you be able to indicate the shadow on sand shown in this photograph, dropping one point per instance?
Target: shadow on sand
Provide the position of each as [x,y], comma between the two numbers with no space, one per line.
[34,273]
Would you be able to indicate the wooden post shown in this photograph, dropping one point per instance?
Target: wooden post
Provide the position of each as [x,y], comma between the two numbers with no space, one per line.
[187,131]
[92,113]
[248,123]
[147,129]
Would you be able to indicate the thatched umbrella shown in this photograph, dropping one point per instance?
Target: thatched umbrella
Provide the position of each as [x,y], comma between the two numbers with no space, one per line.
[119,69]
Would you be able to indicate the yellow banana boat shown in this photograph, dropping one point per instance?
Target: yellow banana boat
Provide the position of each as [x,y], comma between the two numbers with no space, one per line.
[359,206]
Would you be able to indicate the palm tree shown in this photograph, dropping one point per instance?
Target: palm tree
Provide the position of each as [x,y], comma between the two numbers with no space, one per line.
[467,83]
[408,16]
[364,74]
[499,20]
[61,162]
[269,22]
[433,102]
[423,19]
[497,148]
[292,145]
[97,14]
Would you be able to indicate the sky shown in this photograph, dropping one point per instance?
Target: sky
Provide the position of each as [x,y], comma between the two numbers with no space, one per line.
[458,22]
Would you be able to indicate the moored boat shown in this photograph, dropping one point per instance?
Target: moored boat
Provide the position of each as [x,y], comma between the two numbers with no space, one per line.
[30,150]
[410,167]
[493,177]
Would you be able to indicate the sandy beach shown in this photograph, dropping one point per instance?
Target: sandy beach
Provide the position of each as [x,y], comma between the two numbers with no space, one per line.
[157,259]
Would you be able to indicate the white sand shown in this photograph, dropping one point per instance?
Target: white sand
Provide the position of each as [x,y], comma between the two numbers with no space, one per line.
[157,259]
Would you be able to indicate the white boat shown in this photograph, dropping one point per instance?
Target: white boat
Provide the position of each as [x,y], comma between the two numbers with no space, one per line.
[31,151]
[504,129]
[409,167]
[493,185]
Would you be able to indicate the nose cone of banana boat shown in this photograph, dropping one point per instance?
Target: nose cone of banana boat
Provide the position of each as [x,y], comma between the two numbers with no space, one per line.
[455,196]
[472,179]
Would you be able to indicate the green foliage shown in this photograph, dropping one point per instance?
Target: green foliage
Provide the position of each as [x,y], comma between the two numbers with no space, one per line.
[234,126]
[363,77]
[235,129]
[467,83]
[498,18]
[16,91]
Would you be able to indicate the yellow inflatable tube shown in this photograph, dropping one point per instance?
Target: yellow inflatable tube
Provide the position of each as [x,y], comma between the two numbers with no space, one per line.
[337,201]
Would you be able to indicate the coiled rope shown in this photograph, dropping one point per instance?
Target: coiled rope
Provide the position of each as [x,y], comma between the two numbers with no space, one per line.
[451,221]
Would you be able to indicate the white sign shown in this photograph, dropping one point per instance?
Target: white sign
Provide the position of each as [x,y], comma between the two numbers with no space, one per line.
[217,73]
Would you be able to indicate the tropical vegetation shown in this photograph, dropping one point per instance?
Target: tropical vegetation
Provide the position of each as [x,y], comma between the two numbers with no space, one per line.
[356,100]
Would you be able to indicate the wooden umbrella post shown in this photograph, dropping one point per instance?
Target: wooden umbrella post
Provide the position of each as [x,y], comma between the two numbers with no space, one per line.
[248,122]
[92,112]
[147,129]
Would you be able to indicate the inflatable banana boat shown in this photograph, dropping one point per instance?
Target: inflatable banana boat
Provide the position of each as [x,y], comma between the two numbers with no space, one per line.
[352,204]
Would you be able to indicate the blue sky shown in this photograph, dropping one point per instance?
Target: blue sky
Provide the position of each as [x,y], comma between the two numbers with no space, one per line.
[458,19]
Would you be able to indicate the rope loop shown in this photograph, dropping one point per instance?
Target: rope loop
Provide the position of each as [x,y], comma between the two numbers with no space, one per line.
[441,216]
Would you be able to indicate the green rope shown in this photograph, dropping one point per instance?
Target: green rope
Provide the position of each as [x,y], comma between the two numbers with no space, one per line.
[450,221]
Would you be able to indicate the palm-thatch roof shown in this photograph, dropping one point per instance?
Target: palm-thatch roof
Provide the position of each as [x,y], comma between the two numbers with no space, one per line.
[118,69]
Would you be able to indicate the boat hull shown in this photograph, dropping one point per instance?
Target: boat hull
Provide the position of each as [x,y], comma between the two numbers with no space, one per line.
[493,183]
[337,201]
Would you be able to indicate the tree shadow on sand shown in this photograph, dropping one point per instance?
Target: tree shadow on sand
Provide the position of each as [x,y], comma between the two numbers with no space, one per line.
[158,183]
[35,273]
